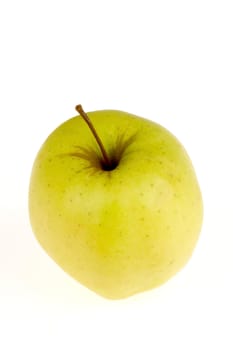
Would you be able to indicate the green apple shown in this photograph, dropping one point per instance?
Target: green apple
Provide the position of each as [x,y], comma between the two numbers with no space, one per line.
[115,201]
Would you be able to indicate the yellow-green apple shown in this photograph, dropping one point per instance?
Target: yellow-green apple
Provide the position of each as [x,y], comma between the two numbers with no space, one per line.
[115,201]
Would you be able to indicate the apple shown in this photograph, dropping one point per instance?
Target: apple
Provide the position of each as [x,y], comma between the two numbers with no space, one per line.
[115,201]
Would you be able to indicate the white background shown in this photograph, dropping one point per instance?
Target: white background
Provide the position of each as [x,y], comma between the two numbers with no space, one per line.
[169,61]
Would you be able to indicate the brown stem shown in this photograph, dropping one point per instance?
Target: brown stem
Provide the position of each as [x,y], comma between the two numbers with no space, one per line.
[84,115]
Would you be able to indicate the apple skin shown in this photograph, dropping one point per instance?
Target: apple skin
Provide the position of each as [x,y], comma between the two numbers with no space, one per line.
[123,231]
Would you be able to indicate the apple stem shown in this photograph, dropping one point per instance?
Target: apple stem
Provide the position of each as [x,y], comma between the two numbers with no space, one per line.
[84,115]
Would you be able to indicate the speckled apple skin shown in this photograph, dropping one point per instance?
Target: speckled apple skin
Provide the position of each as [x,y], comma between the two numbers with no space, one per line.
[123,231]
